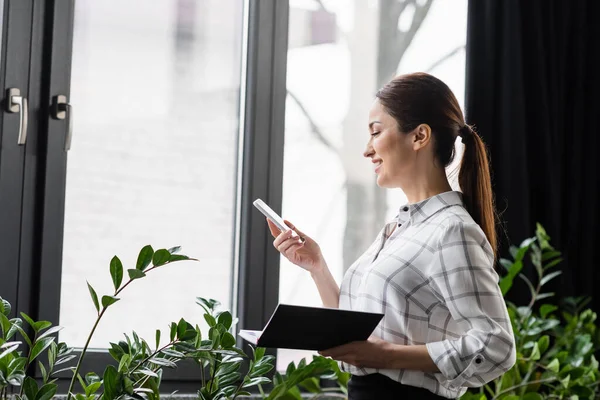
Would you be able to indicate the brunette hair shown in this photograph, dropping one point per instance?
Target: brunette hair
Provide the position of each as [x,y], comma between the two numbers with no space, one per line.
[421,98]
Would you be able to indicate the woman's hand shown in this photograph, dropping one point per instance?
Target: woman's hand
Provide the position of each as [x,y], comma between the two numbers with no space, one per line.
[300,250]
[371,353]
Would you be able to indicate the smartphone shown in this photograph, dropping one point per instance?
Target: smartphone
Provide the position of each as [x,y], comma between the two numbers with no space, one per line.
[272,215]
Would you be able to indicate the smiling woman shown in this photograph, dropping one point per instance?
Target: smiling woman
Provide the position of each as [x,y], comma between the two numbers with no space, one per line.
[430,270]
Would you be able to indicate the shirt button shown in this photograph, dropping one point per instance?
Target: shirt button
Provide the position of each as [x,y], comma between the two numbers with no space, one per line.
[405,209]
[478,360]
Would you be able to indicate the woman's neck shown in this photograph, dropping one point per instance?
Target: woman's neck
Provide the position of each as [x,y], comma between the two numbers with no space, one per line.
[425,186]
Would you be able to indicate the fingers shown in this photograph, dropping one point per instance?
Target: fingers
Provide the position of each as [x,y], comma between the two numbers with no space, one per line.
[300,233]
[337,352]
[290,245]
[274,229]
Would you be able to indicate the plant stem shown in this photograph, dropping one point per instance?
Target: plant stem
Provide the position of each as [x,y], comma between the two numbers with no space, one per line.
[87,342]
[152,355]
[83,351]
[260,389]
[521,385]
[28,361]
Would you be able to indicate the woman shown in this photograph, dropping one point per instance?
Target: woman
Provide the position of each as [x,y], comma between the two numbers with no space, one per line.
[431,270]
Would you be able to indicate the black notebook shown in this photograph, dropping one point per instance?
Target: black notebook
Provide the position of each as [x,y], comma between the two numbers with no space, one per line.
[313,328]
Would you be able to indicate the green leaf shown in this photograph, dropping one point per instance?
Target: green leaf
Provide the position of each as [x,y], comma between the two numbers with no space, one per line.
[565,381]
[23,334]
[554,366]
[50,331]
[116,272]
[40,346]
[227,340]
[161,257]
[163,362]
[175,249]
[148,372]
[124,363]
[173,332]
[43,371]
[28,319]
[582,391]
[547,309]
[532,396]
[108,300]
[5,307]
[178,257]
[549,277]
[181,328]
[94,297]
[92,388]
[172,353]
[259,353]
[8,348]
[111,389]
[229,378]
[209,305]
[544,296]
[46,392]
[41,325]
[593,362]
[30,387]
[157,338]
[550,254]
[128,385]
[144,258]
[535,353]
[225,319]
[553,263]
[543,343]
[227,368]
[311,385]
[92,377]
[210,320]
[135,273]
[260,380]
[52,353]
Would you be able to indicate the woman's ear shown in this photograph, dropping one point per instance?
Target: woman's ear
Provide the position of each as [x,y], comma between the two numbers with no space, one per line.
[422,136]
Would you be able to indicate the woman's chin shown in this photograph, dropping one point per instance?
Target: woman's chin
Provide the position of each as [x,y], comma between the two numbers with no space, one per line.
[381,181]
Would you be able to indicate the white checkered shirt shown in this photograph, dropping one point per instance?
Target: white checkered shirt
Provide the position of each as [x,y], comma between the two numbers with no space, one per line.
[433,278]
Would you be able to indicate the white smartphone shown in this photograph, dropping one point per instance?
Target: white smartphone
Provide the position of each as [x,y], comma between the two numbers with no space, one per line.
[272,215]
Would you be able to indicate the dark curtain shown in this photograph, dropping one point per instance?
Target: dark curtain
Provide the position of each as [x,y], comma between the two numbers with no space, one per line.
[533,94]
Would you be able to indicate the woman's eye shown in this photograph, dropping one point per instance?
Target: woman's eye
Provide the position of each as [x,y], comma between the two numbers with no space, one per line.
[375,133]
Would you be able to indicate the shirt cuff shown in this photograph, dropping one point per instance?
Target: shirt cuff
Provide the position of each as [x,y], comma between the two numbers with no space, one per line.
[448,361]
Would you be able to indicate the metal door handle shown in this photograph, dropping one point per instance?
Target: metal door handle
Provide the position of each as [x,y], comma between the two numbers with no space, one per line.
[18,104]
[60,110]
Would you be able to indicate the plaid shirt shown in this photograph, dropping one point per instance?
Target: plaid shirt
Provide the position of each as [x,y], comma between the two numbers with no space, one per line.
[430,272]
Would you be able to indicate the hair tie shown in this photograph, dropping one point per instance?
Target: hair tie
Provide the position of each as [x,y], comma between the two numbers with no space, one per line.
[466,133]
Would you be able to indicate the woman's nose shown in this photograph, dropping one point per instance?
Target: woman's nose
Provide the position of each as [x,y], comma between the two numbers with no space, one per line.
[369,150]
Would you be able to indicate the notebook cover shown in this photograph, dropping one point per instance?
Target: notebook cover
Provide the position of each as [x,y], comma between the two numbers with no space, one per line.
[313,328]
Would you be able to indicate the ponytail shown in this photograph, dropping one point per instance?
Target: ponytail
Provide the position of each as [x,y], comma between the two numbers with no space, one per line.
[475,182]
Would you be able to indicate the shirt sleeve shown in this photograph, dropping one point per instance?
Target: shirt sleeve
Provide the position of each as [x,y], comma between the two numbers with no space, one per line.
[463,275]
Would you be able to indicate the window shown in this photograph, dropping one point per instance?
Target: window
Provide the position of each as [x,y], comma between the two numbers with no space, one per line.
[153,159]
[339,54]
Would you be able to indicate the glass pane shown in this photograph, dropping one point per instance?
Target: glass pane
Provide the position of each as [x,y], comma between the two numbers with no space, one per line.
[155,90]
[340,54]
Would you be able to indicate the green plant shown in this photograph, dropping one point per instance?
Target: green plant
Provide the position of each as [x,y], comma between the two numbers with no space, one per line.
[148,260]
[15,363]
[138,368]
[555,356]
[309,377]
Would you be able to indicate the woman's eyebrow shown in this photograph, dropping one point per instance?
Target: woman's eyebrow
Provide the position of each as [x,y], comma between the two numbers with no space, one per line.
[372,123]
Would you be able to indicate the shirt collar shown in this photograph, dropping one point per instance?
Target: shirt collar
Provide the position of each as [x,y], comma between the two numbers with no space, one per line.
[418,212]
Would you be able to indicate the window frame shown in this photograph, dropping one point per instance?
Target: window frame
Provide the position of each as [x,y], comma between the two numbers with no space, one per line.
[255,284]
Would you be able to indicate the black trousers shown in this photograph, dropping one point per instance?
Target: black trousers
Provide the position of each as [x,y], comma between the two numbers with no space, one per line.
[380,387]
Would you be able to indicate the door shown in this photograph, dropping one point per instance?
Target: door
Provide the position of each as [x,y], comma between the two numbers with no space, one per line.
[15,144]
